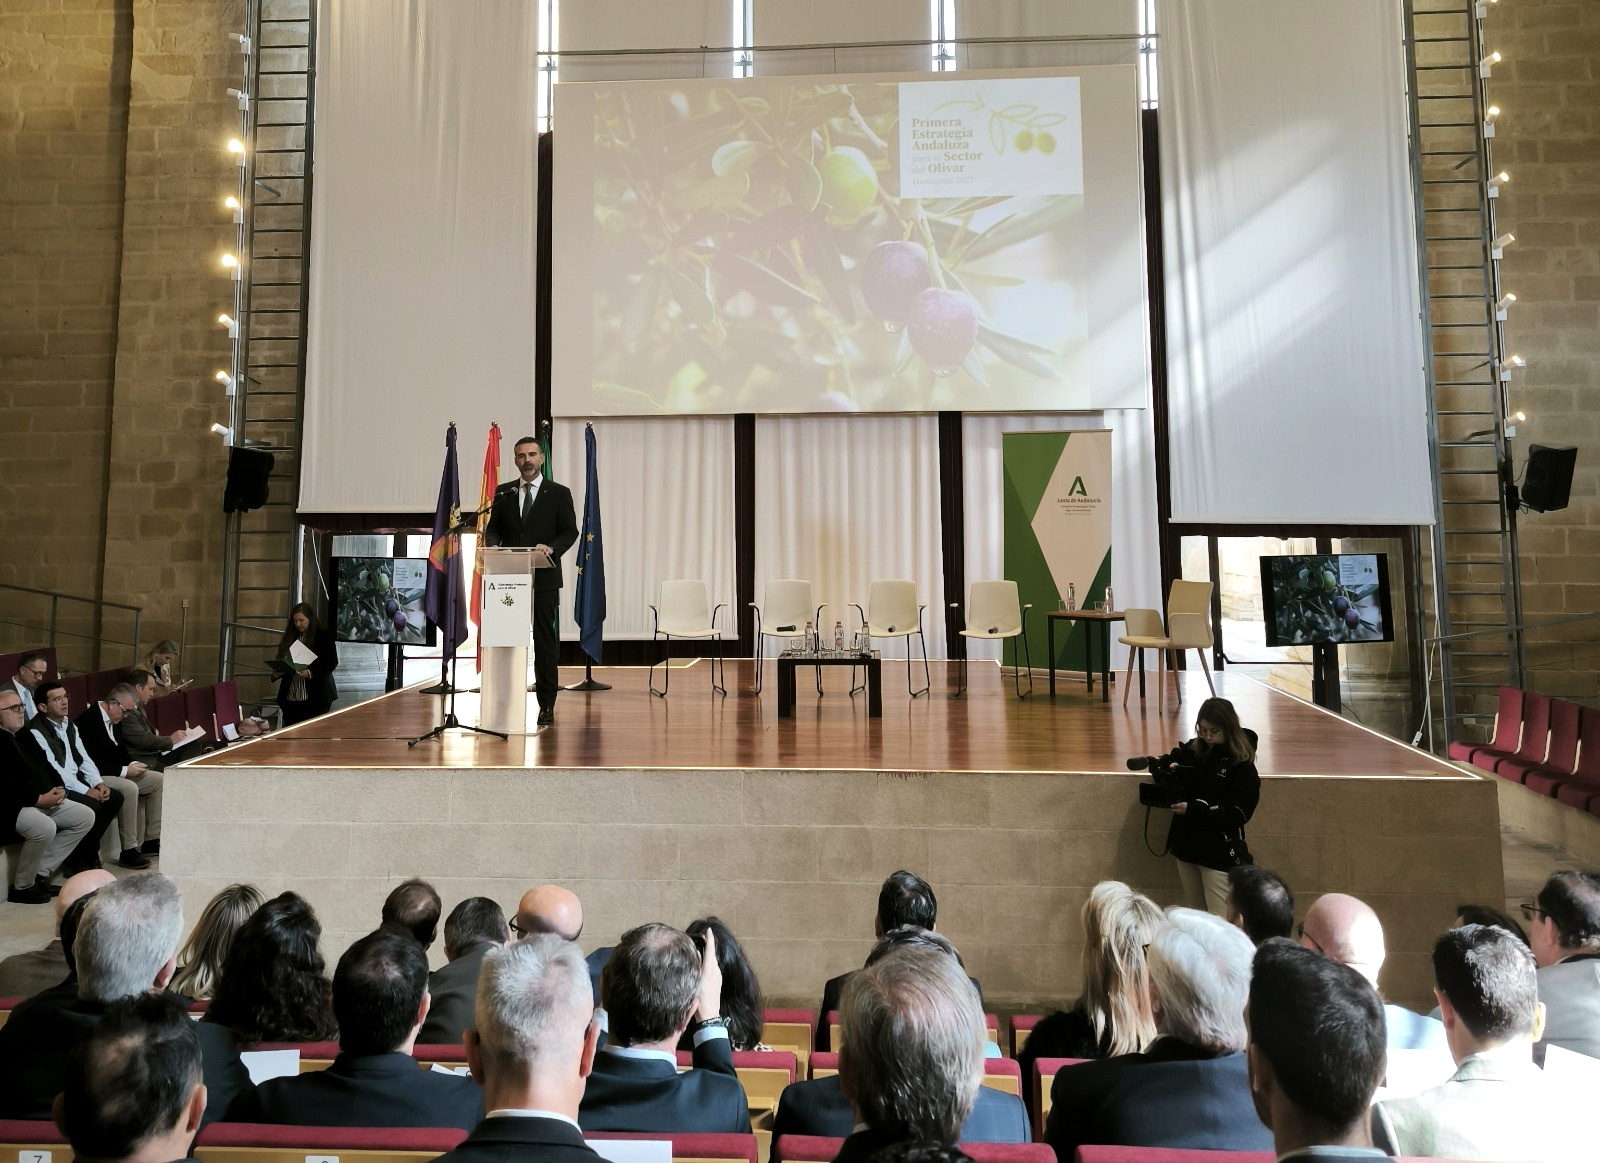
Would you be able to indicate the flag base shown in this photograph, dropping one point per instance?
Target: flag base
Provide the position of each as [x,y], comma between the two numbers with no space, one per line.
[588,683]
[438,688]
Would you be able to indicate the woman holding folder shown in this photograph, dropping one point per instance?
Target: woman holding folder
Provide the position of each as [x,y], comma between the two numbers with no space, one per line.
[305,663]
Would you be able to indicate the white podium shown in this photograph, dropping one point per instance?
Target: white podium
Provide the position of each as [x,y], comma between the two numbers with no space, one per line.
[504,634]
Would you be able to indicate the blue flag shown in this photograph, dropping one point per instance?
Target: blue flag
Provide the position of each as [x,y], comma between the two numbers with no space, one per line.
[589,608]
[443,598]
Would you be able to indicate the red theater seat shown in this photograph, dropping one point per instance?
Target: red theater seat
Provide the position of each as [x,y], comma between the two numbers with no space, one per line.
[1535,742]
[27,1132]
[221,1141]
[1021,1028]
[225,702]
[816,1149]
[684,1146]
[1089,1154]
[166,713]
[77,693]
[1507,729]
[1044,1077]
[200,709]
[794,1030]
[1558,765]
[101,682]
[446,1054]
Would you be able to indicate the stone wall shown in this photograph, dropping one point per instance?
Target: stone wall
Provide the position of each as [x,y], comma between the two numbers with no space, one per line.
[1548,88]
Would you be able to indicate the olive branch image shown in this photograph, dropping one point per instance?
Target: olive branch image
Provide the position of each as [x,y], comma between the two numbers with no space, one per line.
[1032,124]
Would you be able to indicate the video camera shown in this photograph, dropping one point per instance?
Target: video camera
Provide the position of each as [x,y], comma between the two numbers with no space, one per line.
[1170,781]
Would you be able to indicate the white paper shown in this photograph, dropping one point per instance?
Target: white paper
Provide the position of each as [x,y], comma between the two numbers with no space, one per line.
[633,1150]
[230,732]
[301,655]
[1413,1071]
[268,1064]
[459,1071]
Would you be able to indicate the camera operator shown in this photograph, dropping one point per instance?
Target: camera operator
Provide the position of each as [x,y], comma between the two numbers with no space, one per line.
[1213,787]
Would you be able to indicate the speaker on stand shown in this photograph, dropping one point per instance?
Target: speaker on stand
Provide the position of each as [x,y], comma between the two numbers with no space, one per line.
[1547,477]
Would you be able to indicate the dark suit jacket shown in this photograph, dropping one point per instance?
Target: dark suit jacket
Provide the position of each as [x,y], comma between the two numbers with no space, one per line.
[139,738]
[1170,1096]
[104,748]
[454,989]
[522,1140]
[863,1145]
[633,1094]
[24,777]
[819,1107]
[25,974]
[320,687]
[832,991]
[551,521]
[597,965]
[372,1090]
[36,1042]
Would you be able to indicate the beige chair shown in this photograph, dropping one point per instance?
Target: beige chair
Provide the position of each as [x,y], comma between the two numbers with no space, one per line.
[683,614]
[1145,632]
[894,612]
[1188,628]
[995,611]
[784,614]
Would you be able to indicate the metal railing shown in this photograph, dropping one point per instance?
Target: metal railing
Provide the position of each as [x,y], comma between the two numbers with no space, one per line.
[50,627]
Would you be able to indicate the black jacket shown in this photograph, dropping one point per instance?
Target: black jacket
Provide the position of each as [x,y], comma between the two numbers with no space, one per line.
[818,1107]
[635,1094]
[454,990]
[1222,795]
[42,1032]
[550,521]
[522,1140]
[1063,1034]
[863,1145]
[23,779]
[372,1090]
[102,744]
[832,991]
[1172,1095]
[320,688]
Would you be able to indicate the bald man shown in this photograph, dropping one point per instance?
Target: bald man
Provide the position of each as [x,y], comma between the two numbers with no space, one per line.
[33,972]
[1345,929]
[549,908]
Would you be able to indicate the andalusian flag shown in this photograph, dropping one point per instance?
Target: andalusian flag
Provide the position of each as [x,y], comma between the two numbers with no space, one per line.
[491,480]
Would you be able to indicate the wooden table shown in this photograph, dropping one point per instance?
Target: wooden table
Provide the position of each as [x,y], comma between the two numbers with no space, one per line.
[789,659]
[1104,618]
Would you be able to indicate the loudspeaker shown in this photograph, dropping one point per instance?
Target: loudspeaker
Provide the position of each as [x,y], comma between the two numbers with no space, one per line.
[1547,481]
[248,470]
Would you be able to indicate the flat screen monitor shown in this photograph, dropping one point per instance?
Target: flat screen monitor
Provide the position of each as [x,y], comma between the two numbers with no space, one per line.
[1321,598]
[379,599]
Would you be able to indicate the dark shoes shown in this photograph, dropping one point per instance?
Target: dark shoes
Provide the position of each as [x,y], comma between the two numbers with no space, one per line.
[73,867]
[131,858]
[547,717]
[43,883]
[29,896]
[151,847]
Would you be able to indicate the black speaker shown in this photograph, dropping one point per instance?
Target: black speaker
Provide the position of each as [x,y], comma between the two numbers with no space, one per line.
[248,470]
[1547,481]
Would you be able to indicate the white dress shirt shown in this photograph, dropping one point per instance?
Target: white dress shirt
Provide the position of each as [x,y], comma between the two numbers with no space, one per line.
[111,730]
[78,777]
[29,707]
[512,1112]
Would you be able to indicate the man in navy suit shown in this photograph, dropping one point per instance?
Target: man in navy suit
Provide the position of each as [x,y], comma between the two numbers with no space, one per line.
[532,1046]
[819,1107]
[531,511]
[380,1000]
[655,987]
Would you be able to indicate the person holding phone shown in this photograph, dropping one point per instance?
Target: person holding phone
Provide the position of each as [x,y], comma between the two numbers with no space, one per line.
[307,690]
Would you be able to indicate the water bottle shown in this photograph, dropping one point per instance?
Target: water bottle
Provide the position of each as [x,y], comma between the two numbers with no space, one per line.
[838,637]
[811,638]
[1110,602]
[1072,596]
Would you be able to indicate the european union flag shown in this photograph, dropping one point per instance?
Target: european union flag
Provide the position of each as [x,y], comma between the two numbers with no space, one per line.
[589,607]
[443,596]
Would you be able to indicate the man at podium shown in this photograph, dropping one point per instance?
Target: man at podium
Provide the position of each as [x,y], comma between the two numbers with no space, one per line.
[531,511]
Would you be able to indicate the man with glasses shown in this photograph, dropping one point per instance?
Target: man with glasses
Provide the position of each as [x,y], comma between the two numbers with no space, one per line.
[1564,933]
[50,825]
[1346,930]
[31,671]
[57,743]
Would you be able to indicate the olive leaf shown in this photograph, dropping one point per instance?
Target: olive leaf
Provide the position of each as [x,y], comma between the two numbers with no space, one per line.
[774,227]
[903,353]
[820,250]
[693,298]
[625,397]
[815,112]
[973,366]
[736,157]
[1018,352]
[1022,226]
[801,179]
[764,283]
[720,193]
[641,307]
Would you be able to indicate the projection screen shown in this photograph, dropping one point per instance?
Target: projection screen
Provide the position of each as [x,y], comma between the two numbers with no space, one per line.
[888,243]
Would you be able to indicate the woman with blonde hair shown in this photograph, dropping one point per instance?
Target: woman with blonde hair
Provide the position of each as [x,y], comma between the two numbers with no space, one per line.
[203,955]
[1113,1014]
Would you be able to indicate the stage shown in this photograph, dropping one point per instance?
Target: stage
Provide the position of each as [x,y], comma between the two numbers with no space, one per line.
[668,809]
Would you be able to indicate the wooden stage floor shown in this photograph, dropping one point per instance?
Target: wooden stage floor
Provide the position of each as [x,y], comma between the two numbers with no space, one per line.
[987,730]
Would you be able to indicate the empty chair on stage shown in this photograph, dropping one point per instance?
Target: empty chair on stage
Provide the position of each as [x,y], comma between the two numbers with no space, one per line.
[784,614]
[685,612]
[1188,628]
[994,611]
[894,612]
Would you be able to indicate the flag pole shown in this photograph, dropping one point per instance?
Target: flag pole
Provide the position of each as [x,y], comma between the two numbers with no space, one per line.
[590,605]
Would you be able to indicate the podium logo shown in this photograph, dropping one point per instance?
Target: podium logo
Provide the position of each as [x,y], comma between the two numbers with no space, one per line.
[991,137]
[1077,489]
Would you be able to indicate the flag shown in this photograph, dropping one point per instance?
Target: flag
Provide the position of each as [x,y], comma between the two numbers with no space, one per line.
[546,444]
[491,479]
[442,598]
[589,607]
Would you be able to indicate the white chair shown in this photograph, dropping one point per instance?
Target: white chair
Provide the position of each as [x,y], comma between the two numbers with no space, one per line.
[682,614]
[894,612]
[1145,632]
[1188,628]
[784,614]
[994,610]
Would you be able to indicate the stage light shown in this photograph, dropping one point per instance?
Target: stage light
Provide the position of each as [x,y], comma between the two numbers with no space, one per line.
[1500,307]
[1500,179]
[1488,120]
[225,432]
[236,148]
[232,264]
[242,98]
[225,380]
[1486,66]
[232,203]
[232,324]
[244,42]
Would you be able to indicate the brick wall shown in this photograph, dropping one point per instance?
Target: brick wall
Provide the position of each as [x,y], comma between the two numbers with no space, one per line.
[1548,139]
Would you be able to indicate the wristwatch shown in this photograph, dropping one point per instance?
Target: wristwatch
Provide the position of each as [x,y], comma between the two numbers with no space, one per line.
[707,1023]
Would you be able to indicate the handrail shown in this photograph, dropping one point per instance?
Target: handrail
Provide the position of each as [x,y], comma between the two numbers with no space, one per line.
[97,605]
[1495,631]
[71,597]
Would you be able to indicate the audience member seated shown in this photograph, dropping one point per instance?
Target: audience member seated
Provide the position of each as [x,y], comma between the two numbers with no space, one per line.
[134,1090]
[742,1006]
[414,909]
[97,727]
[159,663]
[158,752]
[32,669]
[1190,1088]
[549,908]
[922,1151]
[203,955]
[1259,903]
[655,986]
[474,927]
[819,1106]
[1347,930]
[126,945]
[532,1046]
[35,804]
[1316,1053]
[1564,931]
[903,899]
[274,985]
[1484,915]
[911,1051]
[33,972]
[380,1000]
[1112,1016]
[53,742]
[1488,990]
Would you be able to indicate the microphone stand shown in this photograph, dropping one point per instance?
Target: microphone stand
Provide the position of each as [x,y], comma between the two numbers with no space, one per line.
[451,723]
[446,684]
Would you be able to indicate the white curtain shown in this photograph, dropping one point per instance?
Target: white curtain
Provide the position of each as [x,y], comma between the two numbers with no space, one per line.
[1046,19]
[1135,548]
[421,265]
[1293,333]
[777,22]
[849,500]
[594,25]
[666,507]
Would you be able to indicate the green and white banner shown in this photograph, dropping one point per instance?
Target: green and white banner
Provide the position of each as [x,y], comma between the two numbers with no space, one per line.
[1058,529]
